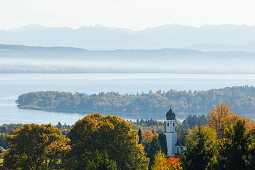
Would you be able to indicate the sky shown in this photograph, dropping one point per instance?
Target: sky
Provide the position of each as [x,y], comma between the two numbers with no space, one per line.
[132,14]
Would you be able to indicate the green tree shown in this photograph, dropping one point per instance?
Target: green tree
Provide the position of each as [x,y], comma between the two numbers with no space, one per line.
[237,148]
[154,147]
[140,136]
[35,146]
[109,134]
[3,140]
[201,149]
[100,161]
[163,142]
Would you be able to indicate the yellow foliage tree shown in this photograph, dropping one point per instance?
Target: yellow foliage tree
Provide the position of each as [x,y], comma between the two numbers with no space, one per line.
[222,117]
[35,147]
[161,163]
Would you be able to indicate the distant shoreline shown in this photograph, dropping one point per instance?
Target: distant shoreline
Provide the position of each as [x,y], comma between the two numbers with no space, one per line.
[151,104]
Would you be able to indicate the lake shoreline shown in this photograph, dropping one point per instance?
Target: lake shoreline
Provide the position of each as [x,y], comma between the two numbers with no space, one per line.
[13,85]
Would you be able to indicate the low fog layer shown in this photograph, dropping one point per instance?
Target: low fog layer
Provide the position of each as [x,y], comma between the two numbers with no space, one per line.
[25,59]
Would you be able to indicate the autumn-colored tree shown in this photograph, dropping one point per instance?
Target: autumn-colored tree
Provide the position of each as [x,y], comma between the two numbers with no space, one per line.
[159,161]
[109,134]
[252,130]
[35,146]
[173,163]
[148,136]
[222,117]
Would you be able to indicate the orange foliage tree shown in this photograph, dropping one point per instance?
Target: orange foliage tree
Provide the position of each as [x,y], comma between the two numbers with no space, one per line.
[174,163]
[148,136]
[161,163]
[222,117]
[252,130]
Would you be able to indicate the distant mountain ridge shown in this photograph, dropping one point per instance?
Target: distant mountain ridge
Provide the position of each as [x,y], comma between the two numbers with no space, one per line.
[36,59]
[206,38]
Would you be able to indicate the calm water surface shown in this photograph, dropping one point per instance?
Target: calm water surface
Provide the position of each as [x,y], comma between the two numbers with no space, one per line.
[12,85]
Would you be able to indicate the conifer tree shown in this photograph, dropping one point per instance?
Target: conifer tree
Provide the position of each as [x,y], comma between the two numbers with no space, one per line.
[154,147]
[163,143]
[201,151]
[140,136]
[236,149]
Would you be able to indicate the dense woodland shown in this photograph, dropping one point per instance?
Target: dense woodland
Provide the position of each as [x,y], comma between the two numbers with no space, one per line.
[149,105]
[223,140]
[151,127]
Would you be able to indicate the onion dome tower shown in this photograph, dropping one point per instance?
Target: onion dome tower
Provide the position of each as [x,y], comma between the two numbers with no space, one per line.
[170,115]
[171,135]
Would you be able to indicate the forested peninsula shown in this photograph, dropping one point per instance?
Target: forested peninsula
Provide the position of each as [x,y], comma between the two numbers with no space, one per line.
[241,99]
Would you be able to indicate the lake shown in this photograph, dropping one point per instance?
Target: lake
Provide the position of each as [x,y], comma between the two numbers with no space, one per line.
[12,85]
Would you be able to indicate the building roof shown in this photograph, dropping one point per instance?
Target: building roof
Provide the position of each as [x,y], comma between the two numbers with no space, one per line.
[170,115]
[181,139]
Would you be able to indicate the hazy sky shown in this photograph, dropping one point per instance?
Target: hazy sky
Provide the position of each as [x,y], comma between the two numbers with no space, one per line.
[134,14]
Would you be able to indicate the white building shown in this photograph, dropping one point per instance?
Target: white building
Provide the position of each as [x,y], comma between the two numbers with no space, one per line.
[171,135]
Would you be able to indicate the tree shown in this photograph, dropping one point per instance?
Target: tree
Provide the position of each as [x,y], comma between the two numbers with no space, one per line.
[222,117]
[140,136]
[59,125]
[3,140]
[159,161]
[148,136]
[163,142]
[173,163]
[100,161]
[35,146]
[109,134]
[154,147]
[201,149]
[237,148]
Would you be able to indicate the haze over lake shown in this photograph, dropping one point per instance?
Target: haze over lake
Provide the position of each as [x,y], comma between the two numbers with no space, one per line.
[12,85]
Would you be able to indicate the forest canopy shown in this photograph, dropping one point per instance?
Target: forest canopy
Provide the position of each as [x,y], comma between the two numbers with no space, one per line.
[241,99]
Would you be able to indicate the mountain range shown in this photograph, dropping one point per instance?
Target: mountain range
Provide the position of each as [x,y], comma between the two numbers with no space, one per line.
[204,38]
